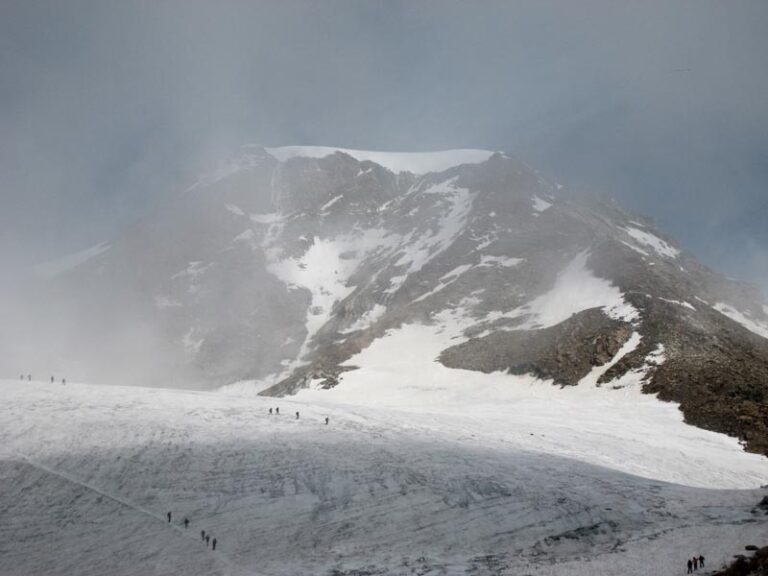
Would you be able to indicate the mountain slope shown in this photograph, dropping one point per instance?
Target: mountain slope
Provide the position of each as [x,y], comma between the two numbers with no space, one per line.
[284,264]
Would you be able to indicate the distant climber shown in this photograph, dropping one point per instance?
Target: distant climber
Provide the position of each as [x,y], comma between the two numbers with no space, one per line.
[64,381]
[22,377]
[169,517]
[690,566]
[695,563]
[214,543]
[277,410]
[52,379]
[202,535]
[297,414]
[701,561]
[186,522]
[270,411]
[207,539]
[326,420]
[29,377]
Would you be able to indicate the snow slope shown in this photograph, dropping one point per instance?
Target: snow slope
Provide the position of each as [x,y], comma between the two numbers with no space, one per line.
[89,473]
[576,289]
[621,429]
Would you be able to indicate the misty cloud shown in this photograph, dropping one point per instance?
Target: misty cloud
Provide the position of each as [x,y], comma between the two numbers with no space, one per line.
[105,107]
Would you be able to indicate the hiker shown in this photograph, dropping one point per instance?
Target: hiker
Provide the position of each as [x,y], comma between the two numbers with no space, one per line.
[277,410]
[701,561]
[63,381]
[29,377]
[22,377]
[326,420]
[297,414]
[52,379]
[186,522]
[214,543]
[207,539]
[690,566]
[270,411]
[169,517]
[202,535]
[695,563]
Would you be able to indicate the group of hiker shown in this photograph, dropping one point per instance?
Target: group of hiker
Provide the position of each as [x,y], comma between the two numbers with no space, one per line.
[206,537]
[28,378]
[277,413]
[695,563]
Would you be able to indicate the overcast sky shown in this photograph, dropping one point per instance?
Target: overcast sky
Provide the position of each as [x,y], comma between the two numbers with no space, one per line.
[662,105]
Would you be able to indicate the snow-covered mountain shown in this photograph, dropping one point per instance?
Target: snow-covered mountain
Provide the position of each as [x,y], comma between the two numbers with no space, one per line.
[315,268]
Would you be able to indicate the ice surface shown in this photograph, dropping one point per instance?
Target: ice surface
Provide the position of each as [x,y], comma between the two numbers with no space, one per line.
[416,162]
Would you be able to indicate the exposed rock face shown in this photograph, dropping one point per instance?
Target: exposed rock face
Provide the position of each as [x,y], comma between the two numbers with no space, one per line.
[281,271]
[564,353]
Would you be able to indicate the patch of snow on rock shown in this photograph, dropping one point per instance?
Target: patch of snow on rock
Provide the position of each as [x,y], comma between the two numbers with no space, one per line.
[596,373]
[635,248]
[417,252]
[678,302]
[446,280]
[648,239]
[502,261]
[234,210]
[270,218]
[367,319]
[163,302]
[331,202]
[539,204]
[759,328]
[193,270]
[576,289]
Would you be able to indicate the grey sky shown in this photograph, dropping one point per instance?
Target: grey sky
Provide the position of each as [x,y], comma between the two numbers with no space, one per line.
[663,105]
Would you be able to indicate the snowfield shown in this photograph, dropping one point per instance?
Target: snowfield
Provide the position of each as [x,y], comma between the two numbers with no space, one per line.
[517,478]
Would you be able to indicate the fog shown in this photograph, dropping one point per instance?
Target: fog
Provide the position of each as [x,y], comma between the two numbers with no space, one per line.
[108,107]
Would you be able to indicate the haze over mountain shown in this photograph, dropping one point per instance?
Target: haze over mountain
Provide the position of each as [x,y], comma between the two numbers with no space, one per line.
[104,106]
